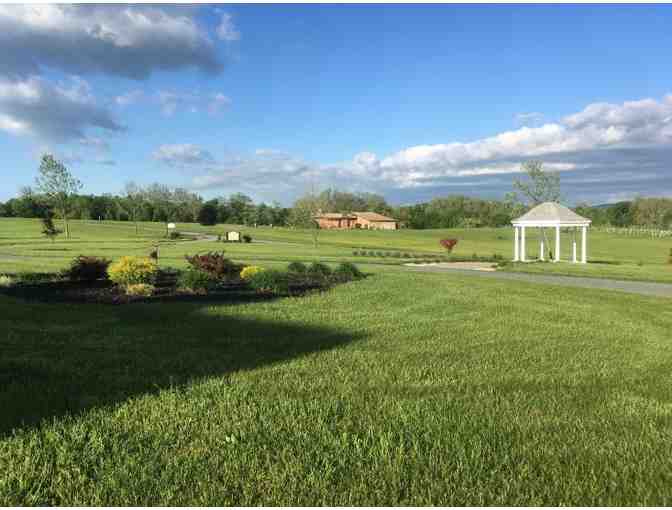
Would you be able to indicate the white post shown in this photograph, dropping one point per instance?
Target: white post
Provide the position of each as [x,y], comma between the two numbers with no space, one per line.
[522,244]
[516,248]
[541,248]
[584,238]
[574,251]
[557,243]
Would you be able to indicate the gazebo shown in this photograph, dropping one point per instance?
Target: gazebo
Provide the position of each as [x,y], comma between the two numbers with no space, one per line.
[550,215]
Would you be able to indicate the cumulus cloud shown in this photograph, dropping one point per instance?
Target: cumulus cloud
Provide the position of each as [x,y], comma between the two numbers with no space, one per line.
[619,145]
[56,113]
[226,30]
[184,154]
[172,102]
[130,41]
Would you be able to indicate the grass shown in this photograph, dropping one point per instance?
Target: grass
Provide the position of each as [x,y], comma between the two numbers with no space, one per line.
[22,247]
[411,389]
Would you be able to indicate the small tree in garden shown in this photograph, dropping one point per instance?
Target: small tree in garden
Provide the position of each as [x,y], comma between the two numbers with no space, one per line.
[58,186]
[48,227]
[448,244]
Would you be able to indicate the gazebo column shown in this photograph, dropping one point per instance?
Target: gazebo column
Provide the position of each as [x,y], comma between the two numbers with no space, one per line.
[574,260]
[541,246]
[557,243]
[584,239]
[516,247]
[522,244]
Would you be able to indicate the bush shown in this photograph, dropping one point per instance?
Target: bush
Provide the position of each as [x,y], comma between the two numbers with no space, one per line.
[448,244]
[6,281]
[319,269]
[139,289]
[87,269]
[32,278]
[249,271]
[269,281]
[215,264]
[297,268]
[174,234]
[247,238]
[669,258]
[132,271]
[347,271]
[195,280]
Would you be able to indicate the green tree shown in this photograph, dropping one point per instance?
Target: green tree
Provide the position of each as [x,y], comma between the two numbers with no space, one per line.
[539,186]
[208,213]
[48,227]
[58,186]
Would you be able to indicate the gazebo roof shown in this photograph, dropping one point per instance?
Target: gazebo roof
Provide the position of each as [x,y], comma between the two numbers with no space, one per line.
[551,214]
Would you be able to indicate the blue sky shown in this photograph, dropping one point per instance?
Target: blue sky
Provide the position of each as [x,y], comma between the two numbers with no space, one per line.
[273,100]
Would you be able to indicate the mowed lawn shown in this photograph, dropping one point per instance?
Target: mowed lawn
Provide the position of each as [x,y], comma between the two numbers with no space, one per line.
[404,388]
[22,247]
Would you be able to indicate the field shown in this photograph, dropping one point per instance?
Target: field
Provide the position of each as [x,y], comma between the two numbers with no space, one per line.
[404,388]
[22,247]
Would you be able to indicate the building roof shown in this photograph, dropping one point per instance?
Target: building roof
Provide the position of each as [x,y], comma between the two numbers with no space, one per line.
[372,216]
[551,213]
[334,216]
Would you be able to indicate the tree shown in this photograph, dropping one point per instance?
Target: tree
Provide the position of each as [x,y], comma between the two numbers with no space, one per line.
[135,198]
[48,227]
[303,214]
[208,213]
[58,186]
[540,186]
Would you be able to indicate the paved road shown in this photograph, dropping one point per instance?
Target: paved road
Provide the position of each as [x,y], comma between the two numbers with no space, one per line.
[646,288]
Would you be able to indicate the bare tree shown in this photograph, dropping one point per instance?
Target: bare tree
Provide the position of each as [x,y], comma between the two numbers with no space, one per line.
[58,186]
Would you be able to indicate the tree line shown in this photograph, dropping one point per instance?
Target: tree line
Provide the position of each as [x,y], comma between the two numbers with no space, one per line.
[57,191]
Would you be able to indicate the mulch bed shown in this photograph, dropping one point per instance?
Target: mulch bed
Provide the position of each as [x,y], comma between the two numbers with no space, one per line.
[105,292]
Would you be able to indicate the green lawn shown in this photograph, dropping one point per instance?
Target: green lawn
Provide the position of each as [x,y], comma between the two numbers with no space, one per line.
[401,389]
[22,247]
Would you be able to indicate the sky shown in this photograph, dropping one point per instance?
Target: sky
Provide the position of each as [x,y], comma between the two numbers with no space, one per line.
[409,101]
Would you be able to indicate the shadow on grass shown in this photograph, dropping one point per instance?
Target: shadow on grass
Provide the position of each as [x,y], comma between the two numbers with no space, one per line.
[59,359]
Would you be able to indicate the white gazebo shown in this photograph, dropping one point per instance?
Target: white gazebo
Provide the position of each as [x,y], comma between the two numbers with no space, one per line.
[550,215]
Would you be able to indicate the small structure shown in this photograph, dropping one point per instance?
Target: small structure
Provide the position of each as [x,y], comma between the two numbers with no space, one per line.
[553,215]
[335,220]
[366,220]
[375,221]
[232,237]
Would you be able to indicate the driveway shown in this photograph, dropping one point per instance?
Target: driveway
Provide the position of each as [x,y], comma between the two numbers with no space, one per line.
[645,288]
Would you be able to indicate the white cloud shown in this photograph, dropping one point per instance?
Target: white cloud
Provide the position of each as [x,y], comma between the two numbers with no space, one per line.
[132,41]
[57,113]
[129,98]
[226,30]
[217,103]
[184,154]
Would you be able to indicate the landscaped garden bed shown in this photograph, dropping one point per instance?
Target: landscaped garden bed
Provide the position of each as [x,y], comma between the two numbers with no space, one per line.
[209,277]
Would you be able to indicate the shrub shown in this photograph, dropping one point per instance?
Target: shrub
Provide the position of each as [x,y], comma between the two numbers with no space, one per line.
[174,234]
[319,269]
[247,238]
[448,244]
[249,271]
[6,281]
[347,271]
[215,264]
[669,258]
[133,270]
[139,289]
[355,253]
[87,269]
[269,281]
[297,268]
[31,278]
[195,280]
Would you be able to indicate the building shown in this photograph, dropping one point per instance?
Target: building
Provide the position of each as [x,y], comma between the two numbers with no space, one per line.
[365,220]
[375,221]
